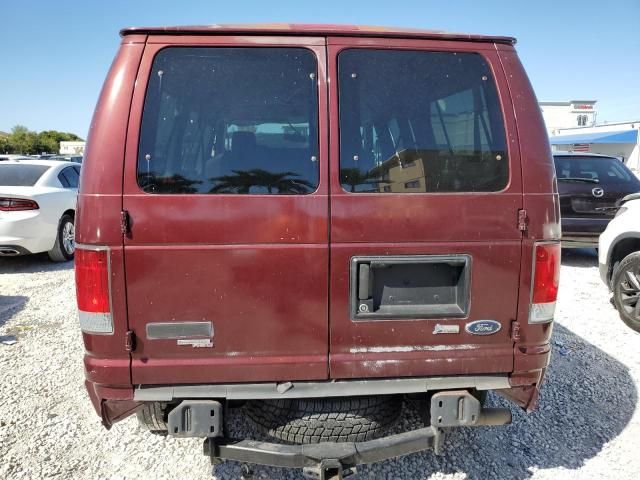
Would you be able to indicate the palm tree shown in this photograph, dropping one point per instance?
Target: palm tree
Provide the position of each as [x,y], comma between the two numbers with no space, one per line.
[174,184]
[354,177]
[242,180]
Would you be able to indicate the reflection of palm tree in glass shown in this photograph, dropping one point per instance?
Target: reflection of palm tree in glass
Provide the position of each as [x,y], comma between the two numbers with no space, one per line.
[242,180]
[173,184]
[354,177]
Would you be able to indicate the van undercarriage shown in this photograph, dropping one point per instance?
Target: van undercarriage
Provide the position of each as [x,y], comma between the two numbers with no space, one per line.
[326,459]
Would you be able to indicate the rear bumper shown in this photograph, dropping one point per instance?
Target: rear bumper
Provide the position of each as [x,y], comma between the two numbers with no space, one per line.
[8,250]
[342,388]
[116,402]
[28,231]
[580,242]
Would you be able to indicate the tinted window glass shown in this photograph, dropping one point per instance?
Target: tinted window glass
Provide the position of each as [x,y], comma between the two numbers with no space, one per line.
[63,180]
[69,177]
[415,121]
[601,169]
[20,175]
[230,120]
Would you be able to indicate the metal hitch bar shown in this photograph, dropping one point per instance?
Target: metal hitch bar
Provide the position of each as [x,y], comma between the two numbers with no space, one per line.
[328,460]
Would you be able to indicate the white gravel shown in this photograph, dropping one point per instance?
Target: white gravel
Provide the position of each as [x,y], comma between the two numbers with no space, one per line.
[587,426]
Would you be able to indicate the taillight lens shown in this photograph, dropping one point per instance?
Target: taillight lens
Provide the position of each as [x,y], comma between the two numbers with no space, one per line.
[17,204]
[92,290]
[546,277]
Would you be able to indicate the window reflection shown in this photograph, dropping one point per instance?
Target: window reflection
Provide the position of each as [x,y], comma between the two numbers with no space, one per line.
[415,121]
[230,120]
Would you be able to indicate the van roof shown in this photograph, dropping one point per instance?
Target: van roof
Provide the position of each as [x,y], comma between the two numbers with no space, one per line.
[314,29]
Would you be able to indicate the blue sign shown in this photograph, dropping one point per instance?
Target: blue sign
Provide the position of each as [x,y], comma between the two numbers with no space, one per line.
[483,327]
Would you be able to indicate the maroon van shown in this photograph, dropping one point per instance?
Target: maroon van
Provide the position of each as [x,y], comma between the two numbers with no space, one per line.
[315,224]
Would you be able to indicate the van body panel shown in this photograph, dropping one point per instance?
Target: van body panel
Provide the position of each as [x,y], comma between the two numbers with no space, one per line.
[447,360]
[537,161]
[540,199]
[106,207]
[107,361]
[228,259]
[259,333]
[241,220]
[381,347]
[97,218]
[234,40]
[107,133]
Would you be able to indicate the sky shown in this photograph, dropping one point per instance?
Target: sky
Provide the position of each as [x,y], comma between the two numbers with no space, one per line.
[55,53]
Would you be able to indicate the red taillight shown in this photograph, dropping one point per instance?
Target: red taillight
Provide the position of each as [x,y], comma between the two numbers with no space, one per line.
[92,290]
[546,277]
[17,204]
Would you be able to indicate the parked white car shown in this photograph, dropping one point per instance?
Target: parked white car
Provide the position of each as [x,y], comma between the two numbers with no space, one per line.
[37,207]
[619,260]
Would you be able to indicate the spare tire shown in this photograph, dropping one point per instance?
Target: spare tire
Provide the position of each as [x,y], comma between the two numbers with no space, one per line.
[341,419]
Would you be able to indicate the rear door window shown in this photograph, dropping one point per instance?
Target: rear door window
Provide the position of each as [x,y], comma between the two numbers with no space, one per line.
[13,175]
[69,177]
[223,120]
[418,121]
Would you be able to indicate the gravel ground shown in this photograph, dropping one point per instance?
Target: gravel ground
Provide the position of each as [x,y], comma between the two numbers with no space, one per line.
[587,426]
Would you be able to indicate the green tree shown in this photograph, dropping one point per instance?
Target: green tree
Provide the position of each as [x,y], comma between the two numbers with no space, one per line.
[49,140]
[4,144]
[24,141]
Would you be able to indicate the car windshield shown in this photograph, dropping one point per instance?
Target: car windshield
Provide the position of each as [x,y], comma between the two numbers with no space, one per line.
[16,175]
[591,169]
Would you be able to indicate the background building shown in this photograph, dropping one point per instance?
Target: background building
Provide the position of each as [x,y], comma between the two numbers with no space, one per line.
[572,127]
[72,148]
[574,113]
[619,139]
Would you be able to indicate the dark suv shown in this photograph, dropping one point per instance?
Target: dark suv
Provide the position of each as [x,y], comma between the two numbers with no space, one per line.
[315,224]
[590,186]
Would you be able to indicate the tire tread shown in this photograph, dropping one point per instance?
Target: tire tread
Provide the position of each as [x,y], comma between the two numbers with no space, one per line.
[303,421]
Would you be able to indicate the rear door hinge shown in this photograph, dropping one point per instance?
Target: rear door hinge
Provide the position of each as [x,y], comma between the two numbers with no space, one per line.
[515,332]
[130,341]
[125,222]
[523,220]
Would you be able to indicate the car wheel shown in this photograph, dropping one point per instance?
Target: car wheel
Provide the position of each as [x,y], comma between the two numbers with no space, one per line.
[65,246]
[626,290]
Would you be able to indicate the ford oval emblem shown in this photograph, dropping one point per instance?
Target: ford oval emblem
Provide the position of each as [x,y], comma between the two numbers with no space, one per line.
[483,327]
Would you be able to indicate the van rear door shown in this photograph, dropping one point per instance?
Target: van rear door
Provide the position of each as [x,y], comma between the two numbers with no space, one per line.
[425,197]
[227,249]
